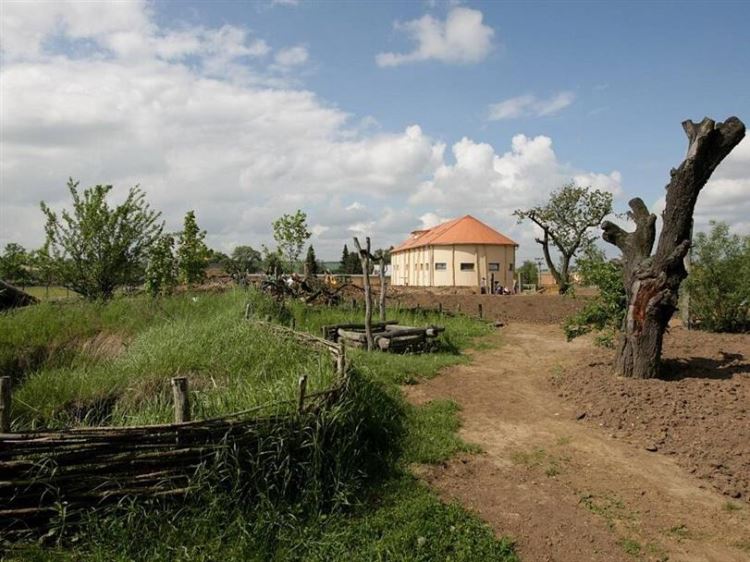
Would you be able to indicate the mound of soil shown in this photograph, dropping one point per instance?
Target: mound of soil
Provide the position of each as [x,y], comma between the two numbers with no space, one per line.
[537,308]
[699,411]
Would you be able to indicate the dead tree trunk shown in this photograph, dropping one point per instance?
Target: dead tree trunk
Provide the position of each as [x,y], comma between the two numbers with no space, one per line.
[381,302]
[652,282]
[364,258]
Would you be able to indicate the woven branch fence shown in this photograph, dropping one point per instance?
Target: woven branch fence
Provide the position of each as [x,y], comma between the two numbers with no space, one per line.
[45,472]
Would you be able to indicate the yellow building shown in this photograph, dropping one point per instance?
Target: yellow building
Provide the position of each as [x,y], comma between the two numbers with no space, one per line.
[462,252]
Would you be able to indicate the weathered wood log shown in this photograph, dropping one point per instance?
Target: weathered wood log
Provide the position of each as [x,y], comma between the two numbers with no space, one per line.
[351,336]
[401,343]
[381,302]
[431,331]
[364,258]
[330,333]
[652,282]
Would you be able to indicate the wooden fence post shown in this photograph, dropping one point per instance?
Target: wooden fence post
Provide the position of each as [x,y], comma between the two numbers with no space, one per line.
[341,360]
[440,308]
[302,391]
[294,323]
[481,312]
[5,396]
[247,311]
[181,399]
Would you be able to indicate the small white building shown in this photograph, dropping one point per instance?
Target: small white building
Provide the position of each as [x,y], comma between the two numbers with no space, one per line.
[463,252]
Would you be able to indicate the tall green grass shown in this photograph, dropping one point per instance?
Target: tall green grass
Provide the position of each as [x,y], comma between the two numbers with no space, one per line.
[329,487]
[231,364]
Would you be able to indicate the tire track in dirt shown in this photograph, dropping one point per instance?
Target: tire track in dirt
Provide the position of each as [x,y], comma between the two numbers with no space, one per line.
[565,491]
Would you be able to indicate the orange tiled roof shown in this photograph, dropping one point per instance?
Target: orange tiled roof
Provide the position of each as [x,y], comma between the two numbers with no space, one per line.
[464,230]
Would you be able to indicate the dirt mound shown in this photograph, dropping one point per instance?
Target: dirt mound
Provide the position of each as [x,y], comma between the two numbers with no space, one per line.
[699,412]
[539,308]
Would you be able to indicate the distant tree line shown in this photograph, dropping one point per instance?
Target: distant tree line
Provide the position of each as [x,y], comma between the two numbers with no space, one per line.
[96,248]
[350,264]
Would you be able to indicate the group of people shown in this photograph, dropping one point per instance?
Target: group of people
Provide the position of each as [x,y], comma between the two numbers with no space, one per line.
[497,288]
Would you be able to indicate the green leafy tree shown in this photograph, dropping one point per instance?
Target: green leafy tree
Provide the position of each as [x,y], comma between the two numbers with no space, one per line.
[244,260]
[719,281]
[344,263]
[217,258]
[383,254]
[291,234]
[272,262]
[604,312]
[192,252]
[96,248]
[353,266]
[528,273]
[42,267]
[566,221]
[311,262]
[161,270]
[15,265]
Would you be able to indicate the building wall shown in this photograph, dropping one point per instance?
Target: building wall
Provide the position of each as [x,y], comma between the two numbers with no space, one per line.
[423,267]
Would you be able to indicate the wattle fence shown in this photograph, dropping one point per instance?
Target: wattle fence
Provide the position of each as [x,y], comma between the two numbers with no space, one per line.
[45,475]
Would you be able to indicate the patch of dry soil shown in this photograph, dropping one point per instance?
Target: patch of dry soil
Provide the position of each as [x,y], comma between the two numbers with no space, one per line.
[567,491]
[699,411]
[542,308]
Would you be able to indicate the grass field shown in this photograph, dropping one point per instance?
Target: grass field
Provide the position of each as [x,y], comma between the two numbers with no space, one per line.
[111,364]
[85,363]
[52,292]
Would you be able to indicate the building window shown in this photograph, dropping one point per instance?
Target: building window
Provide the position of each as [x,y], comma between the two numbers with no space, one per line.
[441,265]
[494,267]
[510,266]
[467,267]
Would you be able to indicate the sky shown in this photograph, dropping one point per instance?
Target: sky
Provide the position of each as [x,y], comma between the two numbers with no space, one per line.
[375,118]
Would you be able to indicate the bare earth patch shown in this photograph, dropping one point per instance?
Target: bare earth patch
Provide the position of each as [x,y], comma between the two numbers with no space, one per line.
[699,413]
[542,308]
[565,488]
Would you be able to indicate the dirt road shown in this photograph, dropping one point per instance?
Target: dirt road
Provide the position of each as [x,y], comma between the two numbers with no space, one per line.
[568,492]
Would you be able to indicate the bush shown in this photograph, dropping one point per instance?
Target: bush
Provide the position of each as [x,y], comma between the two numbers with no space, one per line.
[606,311]
[719,282]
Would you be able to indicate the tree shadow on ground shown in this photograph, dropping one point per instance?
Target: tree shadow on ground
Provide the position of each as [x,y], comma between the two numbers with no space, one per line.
[726,367]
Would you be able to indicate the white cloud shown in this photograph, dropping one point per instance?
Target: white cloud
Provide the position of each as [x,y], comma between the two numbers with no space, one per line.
[194,119]
[491,185]
[530,106]
[292,56]
[429,220]
[461,39]
[726,196]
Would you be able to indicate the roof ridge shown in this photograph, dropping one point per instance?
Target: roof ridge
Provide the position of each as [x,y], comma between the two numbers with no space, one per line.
[466,229]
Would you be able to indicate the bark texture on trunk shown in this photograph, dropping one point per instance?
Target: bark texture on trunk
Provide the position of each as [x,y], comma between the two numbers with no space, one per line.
[652,282]
[381,302]
[364,258]
[544,242]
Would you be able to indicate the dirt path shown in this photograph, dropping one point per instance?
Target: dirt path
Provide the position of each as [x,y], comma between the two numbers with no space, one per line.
[566,491]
